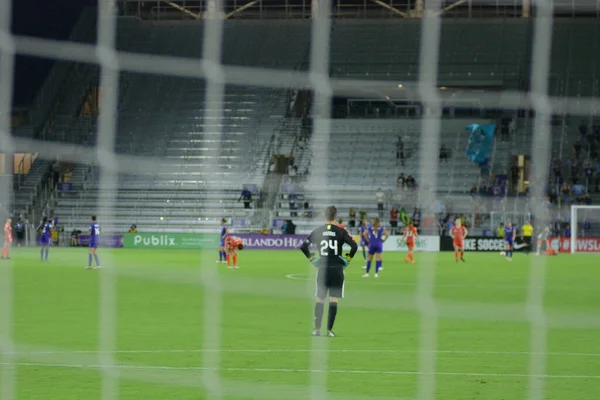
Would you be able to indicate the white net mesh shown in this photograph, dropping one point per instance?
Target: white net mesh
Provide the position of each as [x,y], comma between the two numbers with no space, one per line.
[186,71]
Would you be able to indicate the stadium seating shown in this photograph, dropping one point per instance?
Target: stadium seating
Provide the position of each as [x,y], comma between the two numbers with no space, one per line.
[202,164]
[361,158]
[164,117]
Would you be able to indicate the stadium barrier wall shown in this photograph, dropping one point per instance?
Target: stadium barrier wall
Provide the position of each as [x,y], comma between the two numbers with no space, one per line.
[479,243]
[584,245]
[255,241]
[105,241]
[160,240]
[293,242]
[424,243]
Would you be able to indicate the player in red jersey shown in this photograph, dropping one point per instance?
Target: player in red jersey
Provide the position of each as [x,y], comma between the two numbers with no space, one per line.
[340,223]
[459,233]
[410,235]
[233,245]
[8,238]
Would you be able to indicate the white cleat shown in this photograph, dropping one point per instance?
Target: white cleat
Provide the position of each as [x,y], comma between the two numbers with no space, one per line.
[97,267]
[376,275]
[88,267]
[381,268]
[364,267]
[235,266]
[365,276]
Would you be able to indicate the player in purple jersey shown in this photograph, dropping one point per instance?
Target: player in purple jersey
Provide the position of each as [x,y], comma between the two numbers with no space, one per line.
[510,234]
[224,233]
[364,244]
[94,242]
[45,231]
[376,236]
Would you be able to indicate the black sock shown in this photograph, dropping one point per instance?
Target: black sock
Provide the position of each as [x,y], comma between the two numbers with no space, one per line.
[332,314]
[318,315]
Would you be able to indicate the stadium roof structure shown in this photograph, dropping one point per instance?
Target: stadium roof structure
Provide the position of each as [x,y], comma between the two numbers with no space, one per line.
[300,9]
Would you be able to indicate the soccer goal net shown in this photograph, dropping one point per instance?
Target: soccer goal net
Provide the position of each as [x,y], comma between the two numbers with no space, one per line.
[584,230]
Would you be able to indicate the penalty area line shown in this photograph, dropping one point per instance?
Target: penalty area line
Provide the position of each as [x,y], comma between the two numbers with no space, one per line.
[287,370]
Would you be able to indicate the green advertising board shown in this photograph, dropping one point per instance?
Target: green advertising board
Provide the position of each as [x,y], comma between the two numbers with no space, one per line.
[171,241]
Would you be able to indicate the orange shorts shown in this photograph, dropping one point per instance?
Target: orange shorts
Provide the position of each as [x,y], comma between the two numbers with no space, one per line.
[459,244]
[410,245]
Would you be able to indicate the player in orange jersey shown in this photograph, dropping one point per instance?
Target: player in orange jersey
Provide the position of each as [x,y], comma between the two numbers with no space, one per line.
[410,235]
[340,223]
[8,238]
[459,233]
[233,245]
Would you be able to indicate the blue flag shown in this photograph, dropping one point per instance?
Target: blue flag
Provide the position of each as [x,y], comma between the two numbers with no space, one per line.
[480,142]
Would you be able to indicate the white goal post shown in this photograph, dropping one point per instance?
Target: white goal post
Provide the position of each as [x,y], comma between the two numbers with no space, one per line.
[594,245]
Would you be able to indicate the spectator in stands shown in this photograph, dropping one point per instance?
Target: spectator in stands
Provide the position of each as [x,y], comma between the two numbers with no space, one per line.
[352,218]
[292,197]
[588,168]
[514,176]
[574,168]
[597,176]
[596,131]
[400,182]
[416,219]
[380,198]
[444,153]
[55,174]
[473,191]
[442,222]
[132,229]
[577,149]
[394,212]
[20,232]
[500,230]
[577,191]
[400,151]
[497,192]
[289,228]
[583,129]
[565,193]
[246,197]
[264,230]
[307,210]
[410,182]
[75,237]
[557,169]
[362,215]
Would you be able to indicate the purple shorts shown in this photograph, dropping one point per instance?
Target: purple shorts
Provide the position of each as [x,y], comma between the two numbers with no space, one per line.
[375,248]
[45,240]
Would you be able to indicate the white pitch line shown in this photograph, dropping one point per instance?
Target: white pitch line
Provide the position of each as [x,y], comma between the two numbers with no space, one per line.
[289,370]
[374,351]
[303,277]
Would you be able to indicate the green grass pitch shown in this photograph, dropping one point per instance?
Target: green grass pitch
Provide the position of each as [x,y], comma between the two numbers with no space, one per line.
[266,352]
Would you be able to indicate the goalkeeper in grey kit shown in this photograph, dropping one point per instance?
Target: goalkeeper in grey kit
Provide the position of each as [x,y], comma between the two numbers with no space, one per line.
[330,263]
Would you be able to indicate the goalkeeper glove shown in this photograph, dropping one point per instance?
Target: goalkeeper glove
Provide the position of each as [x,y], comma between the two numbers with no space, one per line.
[314,260]
[346,260]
